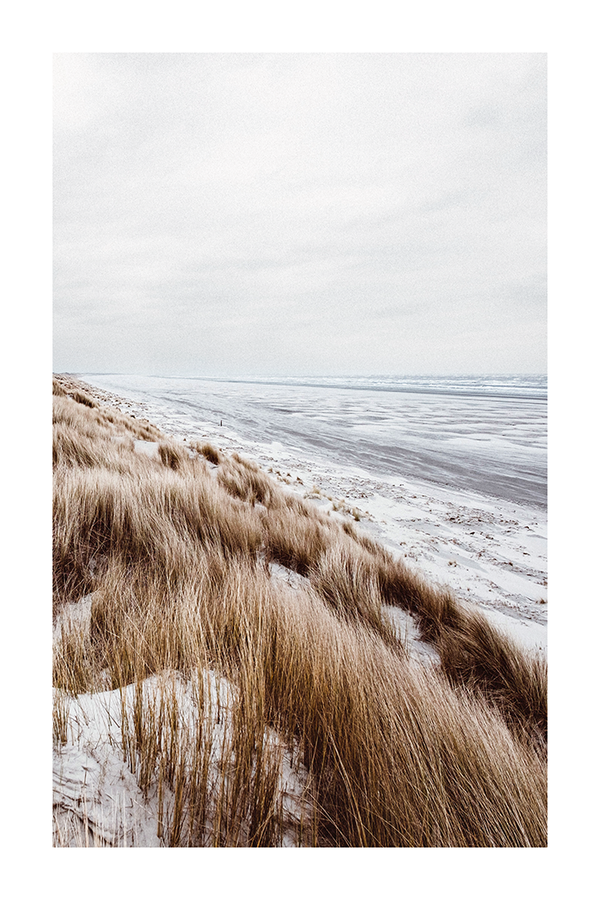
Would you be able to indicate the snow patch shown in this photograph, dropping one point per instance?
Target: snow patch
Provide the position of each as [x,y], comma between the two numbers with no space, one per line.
[97,798]
[148,448]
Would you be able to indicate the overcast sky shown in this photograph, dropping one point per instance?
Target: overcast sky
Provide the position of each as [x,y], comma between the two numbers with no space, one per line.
[238,214]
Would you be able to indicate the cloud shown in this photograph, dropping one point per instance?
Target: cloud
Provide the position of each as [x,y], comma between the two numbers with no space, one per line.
[343,201]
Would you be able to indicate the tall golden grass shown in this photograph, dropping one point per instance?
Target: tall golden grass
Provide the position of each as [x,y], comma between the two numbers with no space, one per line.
[175,554]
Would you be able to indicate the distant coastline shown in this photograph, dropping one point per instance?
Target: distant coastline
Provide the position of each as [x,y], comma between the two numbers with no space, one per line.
[507,387]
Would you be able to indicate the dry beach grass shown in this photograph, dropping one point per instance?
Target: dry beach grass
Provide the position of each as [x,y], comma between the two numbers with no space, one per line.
[254,713]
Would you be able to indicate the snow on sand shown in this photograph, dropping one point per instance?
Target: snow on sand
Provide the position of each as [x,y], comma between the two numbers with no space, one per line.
[98,800]
[490,551]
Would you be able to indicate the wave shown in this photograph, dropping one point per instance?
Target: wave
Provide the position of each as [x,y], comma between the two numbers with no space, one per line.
[511,387]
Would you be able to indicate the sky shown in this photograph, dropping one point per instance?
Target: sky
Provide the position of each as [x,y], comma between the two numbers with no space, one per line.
[230,214]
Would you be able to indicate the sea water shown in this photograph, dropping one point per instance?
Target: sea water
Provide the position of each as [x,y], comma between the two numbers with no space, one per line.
[479,433]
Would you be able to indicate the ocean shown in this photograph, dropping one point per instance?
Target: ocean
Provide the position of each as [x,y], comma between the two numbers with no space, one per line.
[486,434]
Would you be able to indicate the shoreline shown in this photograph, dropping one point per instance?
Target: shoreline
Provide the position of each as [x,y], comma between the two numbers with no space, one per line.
[217,629]
[482,445]
[490,552]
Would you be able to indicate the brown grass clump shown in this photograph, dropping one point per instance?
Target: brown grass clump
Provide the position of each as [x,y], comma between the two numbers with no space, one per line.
[246,481]
[57,389]
[208,451]
[398,759]
[473,653]
[172,456]
[65,386]
[150,514]
[296,541]
[171,557]
[347,579]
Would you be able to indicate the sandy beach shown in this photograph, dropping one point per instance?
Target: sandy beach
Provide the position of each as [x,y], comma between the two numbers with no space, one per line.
[491,551]
[208,587]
